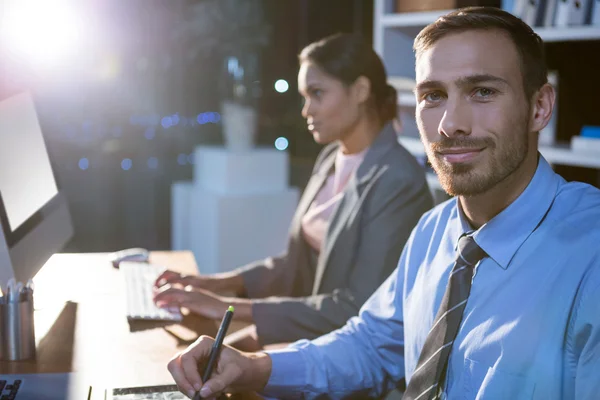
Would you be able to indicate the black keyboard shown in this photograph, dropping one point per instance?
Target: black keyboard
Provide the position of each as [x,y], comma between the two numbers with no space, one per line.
[9,391]
[161,392]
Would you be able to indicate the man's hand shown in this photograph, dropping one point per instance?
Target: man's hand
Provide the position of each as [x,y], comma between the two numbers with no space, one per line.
[235,371]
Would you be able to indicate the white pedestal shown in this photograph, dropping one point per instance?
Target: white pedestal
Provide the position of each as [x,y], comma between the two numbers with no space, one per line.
[260,170]
[181,194]
[238,208]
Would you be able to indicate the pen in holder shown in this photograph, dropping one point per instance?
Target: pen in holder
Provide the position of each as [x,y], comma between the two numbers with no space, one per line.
[17,328]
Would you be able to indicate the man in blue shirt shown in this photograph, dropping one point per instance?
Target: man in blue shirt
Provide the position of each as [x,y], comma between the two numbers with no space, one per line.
[521,320]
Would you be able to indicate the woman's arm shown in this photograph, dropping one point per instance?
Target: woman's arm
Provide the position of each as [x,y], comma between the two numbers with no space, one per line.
[230,283]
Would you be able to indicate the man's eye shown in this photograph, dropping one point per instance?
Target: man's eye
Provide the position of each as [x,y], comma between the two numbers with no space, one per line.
[433,96]
[317,92]
[484,92]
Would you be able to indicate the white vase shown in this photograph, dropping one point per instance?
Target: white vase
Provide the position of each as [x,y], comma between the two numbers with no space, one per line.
[239,125]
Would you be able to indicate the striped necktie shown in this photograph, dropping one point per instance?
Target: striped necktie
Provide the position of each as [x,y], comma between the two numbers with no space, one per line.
[428,377]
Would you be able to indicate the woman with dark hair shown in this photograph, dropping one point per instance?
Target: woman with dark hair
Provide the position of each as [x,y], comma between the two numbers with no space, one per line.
[362,201]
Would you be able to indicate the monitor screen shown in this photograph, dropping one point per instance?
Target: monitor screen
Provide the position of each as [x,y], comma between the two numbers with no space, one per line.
[34,215]
[26,179]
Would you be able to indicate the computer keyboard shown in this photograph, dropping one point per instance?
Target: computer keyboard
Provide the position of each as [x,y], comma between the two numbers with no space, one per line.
[9,391]
[139,280]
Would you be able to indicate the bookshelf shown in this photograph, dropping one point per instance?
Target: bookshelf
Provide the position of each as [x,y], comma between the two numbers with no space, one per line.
[412,23]
[393,36]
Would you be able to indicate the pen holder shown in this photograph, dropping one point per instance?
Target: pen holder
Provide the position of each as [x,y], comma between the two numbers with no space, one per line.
[17,335]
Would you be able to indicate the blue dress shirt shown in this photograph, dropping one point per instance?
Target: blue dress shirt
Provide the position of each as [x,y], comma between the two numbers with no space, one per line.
[531,326]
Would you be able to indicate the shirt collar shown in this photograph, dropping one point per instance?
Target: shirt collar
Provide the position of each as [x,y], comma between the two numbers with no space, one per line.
[502,236]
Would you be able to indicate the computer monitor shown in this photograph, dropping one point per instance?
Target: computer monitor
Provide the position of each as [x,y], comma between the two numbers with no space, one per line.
[35,219]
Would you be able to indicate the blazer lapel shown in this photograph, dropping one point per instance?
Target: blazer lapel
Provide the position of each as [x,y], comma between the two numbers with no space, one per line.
[312,188]
[349,206]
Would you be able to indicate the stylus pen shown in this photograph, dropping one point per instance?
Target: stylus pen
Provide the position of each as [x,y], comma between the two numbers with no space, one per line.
[216,348]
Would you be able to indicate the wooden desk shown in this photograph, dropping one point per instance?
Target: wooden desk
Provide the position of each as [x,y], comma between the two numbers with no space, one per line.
[81,325]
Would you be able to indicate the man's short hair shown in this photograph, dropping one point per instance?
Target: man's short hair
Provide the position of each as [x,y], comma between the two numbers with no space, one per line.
[529,45]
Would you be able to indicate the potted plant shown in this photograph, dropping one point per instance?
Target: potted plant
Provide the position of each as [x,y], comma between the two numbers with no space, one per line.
[235,31]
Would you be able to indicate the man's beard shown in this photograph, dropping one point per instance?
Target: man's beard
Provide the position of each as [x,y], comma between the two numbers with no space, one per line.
[471,179]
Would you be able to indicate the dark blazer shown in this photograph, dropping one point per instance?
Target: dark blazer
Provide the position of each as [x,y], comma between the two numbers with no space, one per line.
[382,203]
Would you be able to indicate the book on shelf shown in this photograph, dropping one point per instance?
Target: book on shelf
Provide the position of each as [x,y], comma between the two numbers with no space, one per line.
[531,12]
[572,12]
[554,13]
[595,14]
[550,13]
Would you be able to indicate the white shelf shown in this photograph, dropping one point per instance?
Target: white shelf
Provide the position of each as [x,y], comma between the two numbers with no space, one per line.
[411,23]
[564,155]
[407,100]
[414,19]
[558,154]
[555,34]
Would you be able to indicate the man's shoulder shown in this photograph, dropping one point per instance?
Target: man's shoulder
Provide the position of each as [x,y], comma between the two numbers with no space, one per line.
[578,205]
[578,222]
[572,226]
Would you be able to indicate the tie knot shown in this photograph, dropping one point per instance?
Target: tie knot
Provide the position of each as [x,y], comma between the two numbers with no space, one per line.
[469,251]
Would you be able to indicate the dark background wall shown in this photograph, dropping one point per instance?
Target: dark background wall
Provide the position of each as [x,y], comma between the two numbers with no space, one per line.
[103,114]
[578,64]
[106,115]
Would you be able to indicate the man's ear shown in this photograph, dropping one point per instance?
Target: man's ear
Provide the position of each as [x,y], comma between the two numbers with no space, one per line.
[543,103]
[361,89]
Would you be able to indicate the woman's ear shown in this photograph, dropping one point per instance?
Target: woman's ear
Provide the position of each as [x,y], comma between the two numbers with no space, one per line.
[361,89]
